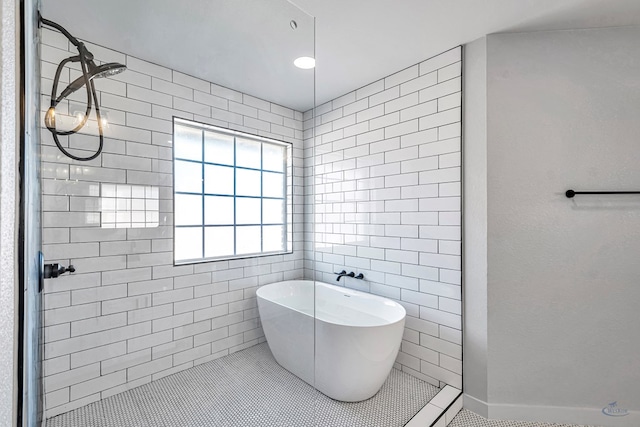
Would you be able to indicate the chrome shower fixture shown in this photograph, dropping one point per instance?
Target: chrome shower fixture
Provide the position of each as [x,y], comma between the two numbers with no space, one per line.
[90,71]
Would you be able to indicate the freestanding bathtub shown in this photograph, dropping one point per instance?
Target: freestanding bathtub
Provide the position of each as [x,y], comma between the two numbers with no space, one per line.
[357,335]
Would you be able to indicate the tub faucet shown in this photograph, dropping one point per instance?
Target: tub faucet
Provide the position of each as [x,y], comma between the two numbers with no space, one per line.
[344,273]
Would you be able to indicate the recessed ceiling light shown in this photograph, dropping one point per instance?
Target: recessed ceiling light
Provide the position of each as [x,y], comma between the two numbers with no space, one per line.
[305,62]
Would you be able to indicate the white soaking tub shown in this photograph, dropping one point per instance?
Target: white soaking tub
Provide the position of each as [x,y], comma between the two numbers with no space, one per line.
[357,335]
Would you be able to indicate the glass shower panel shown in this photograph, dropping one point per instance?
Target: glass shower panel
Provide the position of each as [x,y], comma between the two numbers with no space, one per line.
[174,314]
[387,340]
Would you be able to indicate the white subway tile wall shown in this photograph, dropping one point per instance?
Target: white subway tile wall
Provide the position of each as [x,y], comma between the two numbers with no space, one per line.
[128,316]
[384,201]
[383,198]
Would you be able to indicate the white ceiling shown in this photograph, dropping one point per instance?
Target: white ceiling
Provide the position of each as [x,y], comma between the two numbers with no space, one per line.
[249,46]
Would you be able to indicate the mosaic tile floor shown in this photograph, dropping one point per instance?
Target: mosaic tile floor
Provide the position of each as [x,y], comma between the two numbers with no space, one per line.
[248,389]
[469,419]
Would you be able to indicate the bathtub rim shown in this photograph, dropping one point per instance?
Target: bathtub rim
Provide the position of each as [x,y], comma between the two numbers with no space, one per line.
[397,305]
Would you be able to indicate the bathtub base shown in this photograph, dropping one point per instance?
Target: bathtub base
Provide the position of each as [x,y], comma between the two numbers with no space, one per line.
[352,365]
[348,376]
[293,350]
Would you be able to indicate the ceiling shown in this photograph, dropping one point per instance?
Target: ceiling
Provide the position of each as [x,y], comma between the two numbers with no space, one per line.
[249,45]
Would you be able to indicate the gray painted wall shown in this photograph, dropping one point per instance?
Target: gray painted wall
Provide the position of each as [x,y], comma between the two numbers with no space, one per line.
[563,290]
[475,226]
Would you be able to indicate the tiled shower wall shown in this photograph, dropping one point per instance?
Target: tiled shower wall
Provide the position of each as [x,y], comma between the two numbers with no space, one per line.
[386,202]
[128,316]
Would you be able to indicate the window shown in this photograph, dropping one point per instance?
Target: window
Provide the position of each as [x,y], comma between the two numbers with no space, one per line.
[231,194]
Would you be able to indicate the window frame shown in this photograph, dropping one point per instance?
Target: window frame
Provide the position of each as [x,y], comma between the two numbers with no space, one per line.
[287,198]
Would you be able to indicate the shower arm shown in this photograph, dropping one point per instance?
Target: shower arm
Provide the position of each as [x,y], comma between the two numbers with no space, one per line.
[60,28]
[84,56]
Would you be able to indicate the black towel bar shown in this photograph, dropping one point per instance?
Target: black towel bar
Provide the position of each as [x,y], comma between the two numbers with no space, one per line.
[571,193]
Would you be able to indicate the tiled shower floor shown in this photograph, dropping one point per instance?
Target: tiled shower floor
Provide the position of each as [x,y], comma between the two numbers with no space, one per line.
[248,389]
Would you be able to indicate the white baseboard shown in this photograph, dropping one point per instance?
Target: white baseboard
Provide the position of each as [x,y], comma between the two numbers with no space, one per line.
[550,414]
[475,405]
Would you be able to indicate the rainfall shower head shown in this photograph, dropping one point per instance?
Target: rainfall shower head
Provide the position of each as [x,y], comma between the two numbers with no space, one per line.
[105,70]
[90,71]
[93,72]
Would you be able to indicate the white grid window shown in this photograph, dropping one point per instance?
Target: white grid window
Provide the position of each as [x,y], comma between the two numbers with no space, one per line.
[231,194]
